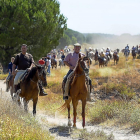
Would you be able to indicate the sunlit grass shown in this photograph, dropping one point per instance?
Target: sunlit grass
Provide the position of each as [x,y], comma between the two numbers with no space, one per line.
[3,76]
[16,124]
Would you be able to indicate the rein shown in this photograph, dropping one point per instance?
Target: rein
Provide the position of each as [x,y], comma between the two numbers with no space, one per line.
[78,75]
[33,81]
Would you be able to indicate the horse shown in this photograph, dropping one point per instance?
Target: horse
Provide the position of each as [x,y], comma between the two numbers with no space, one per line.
[11,85]
[116,58]
[78,91]
[61,63]
[96,57]
[53,63]
[133,54]
[126,53]
[29,87]
[102,62]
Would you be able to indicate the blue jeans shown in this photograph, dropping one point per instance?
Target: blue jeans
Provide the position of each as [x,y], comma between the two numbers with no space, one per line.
[48,70]
[65,78]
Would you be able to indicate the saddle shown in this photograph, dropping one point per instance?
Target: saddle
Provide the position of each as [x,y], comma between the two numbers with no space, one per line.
[71,80]
[24,76]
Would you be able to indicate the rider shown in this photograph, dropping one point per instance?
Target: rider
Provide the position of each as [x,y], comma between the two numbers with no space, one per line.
[71,61]
[10,72]
[63,56]
[126,49]
[24,61]
[96,51]
[102,56]
[108,50]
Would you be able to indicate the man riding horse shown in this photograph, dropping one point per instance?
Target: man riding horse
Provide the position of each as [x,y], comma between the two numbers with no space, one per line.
[71,61]
[126,50]
[24,61]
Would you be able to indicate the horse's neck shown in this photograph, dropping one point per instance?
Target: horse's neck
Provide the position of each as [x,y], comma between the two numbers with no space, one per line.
[78,71]
[35,77]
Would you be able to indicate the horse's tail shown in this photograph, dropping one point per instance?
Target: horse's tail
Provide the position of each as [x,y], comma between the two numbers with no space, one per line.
[64,106]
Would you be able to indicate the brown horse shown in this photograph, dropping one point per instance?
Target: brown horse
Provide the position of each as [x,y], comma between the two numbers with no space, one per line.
[29,87]
[53,63]
[116,58]
[133,54]
[10,85]
[96,57]
[78,91]
[102,62]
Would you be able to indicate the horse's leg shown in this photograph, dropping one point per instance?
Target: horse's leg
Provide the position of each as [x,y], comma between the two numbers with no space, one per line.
[83,112]
[74,102]
[25,105]
[69,120]
[11,92]
[34,105]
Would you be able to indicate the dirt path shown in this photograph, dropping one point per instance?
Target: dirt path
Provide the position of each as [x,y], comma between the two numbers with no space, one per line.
[58,126]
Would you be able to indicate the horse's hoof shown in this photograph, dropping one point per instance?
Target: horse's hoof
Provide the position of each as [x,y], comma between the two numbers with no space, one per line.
[74,126]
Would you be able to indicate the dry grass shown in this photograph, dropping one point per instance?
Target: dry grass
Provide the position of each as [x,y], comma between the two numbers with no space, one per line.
[16,124]
[3,76]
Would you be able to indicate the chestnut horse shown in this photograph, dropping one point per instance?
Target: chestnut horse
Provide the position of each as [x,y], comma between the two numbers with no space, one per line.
[116,58]
[29,87]
[78,91]
[53,63]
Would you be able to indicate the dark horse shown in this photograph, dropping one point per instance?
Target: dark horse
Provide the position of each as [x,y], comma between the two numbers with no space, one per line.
[78,91]
[96,57]
[133,54]
[11,85]
[116,58]
[53,63]
[102,62]
[29,86]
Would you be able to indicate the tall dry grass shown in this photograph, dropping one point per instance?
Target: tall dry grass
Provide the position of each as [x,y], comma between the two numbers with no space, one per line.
[16,124]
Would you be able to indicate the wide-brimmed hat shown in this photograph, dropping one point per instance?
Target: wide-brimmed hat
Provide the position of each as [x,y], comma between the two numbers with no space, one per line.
[77,44]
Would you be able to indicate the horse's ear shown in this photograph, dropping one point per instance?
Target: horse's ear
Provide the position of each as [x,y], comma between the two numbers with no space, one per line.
[79,56]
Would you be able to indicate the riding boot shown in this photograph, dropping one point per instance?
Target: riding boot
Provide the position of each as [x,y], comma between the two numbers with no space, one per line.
[41,93]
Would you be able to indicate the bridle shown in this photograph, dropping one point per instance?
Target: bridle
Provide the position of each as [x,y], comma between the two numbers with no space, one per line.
[84,71]
[39,75]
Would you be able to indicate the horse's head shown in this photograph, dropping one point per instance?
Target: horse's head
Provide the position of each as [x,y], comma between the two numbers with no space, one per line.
[42,74]
[82,63]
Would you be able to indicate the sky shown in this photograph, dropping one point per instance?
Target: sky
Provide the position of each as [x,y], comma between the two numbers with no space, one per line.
[102,16]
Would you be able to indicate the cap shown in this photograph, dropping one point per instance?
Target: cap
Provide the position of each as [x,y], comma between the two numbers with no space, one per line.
[41,62]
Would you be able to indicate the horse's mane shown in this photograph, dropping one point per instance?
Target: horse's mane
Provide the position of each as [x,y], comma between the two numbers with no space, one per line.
[31,73]
[76,68]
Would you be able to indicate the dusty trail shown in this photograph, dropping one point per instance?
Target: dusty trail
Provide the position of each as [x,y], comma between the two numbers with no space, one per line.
[58,126]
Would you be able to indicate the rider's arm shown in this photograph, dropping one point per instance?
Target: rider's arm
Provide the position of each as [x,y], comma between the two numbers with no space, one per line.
[32,64]
[66,63]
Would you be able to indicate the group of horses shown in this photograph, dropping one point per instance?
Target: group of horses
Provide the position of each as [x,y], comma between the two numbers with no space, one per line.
[29,89]
[104,61]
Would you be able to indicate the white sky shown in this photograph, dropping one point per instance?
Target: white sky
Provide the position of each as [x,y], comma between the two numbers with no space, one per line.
[102,16]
